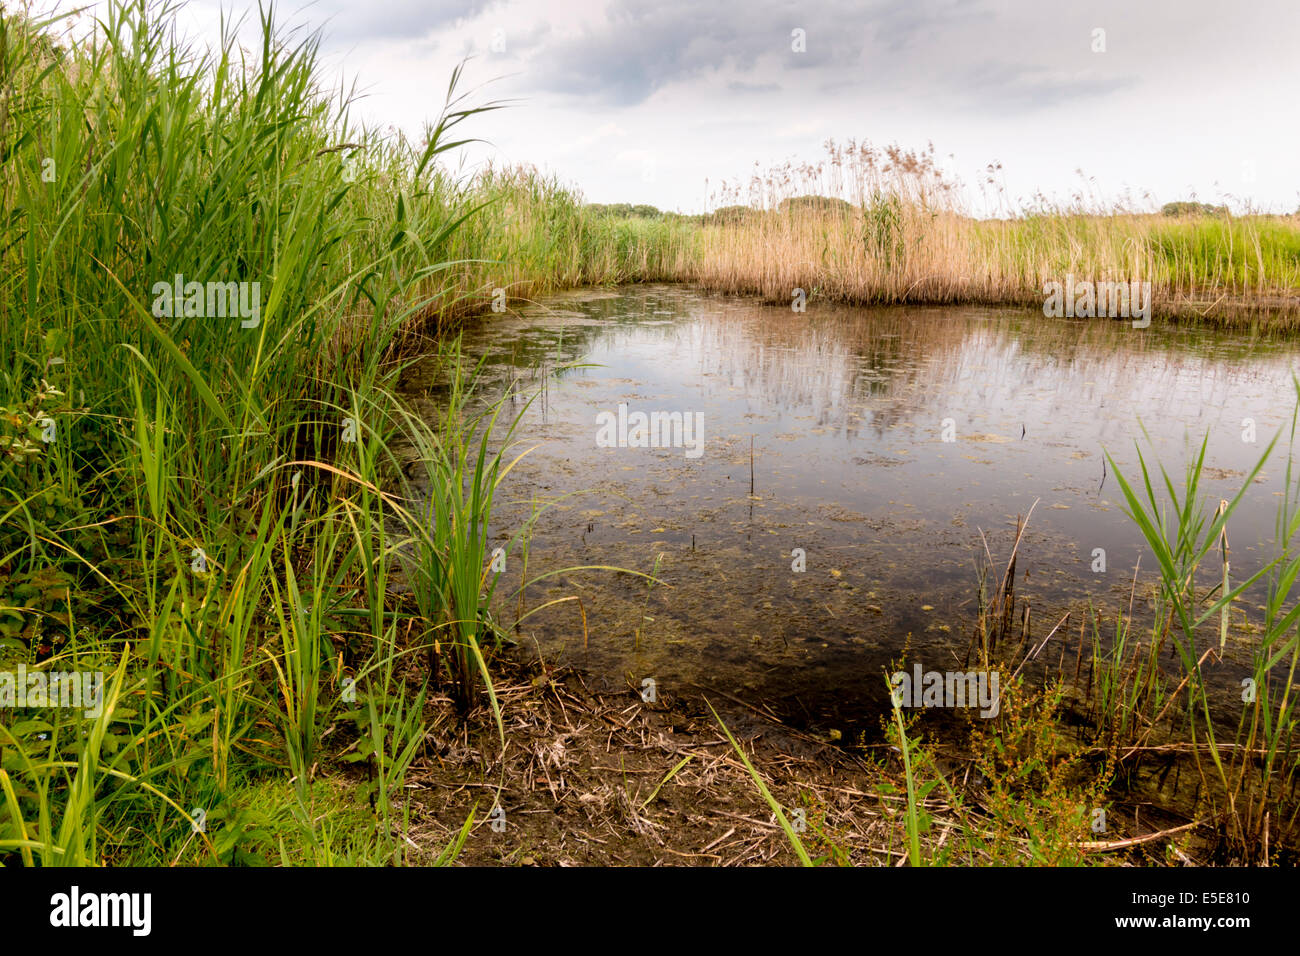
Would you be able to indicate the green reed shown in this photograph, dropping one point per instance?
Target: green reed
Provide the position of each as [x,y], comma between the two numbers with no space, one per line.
[208,508]
[1249,782]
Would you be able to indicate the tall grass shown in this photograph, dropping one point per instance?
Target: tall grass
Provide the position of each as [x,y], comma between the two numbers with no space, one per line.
[209,511]
[1249,783]
[868,224]
[536,236]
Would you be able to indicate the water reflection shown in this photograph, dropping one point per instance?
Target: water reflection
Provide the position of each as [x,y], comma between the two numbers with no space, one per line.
[847,411]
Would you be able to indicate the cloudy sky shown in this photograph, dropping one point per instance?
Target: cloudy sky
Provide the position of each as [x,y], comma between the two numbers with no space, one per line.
[649,100]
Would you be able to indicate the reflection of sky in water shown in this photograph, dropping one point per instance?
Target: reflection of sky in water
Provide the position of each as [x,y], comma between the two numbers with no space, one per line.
[846,409]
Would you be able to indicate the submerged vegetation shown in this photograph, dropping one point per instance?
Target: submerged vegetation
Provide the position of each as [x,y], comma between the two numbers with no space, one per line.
[284,574]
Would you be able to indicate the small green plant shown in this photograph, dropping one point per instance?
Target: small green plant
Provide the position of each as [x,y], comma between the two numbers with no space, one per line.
[772,802]
[1039,795]
[916,819]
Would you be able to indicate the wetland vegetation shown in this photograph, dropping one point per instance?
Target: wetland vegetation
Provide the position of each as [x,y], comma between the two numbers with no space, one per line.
[363,588]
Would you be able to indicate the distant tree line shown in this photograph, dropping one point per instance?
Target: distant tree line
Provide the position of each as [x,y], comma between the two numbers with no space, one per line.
[730,215]
[1193,209]
[723,215]
[623,210]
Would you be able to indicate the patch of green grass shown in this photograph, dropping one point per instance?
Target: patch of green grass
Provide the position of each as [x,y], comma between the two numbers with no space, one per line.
[207,508]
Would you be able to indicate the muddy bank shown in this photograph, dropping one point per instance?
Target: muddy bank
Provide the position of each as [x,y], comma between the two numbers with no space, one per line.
[597,777]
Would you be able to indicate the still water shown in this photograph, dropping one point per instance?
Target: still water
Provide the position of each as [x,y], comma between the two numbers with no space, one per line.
[888,446]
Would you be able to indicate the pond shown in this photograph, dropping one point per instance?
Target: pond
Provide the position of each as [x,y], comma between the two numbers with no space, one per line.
[850,469]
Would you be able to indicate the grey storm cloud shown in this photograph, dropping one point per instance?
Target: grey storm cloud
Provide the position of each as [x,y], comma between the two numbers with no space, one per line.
[965,50]
[641,46]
